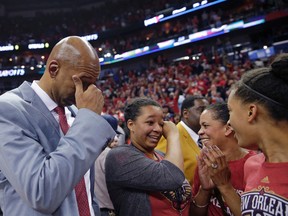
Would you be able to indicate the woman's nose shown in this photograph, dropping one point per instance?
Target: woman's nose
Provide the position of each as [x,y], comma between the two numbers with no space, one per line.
[158,128]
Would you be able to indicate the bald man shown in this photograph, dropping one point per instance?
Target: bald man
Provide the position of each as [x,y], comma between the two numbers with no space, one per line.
[41,163]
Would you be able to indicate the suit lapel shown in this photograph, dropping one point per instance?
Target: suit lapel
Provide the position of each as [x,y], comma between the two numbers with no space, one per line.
[31,97]
[184,131]
[185,134]
[44,122]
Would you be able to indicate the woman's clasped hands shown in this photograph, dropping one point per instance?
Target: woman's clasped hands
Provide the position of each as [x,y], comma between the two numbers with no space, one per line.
[213,168]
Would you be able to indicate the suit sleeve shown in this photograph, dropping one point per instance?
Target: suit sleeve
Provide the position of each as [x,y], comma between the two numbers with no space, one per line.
[43,179]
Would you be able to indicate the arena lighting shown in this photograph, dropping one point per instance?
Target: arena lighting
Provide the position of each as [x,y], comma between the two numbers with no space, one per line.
[168,43]
[173,42]
[256,22]
[261,53]
[238,24]
[182,58]
[90,37]
[36,46]
[153,20]
[213,32]
[12,72]
[116,56]
[181,11]
[107,55]
[6,48]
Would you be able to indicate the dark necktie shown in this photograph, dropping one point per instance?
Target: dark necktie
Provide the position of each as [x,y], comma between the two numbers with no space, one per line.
[80,189]
[199,143]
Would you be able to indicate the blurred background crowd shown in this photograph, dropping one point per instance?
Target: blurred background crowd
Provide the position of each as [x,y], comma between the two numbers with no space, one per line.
[205,67]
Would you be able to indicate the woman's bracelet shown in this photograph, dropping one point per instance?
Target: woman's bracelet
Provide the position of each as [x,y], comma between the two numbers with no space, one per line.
[199,206]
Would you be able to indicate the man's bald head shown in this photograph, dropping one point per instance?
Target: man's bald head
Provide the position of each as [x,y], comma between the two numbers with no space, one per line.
[70,56]
[72,49]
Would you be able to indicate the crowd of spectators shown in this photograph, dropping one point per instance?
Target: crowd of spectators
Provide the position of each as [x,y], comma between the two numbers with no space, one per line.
[162,80]
[48,27]
[114,15]
[209,18]
[170,82]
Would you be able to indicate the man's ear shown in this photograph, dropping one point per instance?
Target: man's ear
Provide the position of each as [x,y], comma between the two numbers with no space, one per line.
[185,112]
[53,68]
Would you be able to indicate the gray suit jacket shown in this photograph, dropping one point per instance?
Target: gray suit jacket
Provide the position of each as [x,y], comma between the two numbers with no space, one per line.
[38,168]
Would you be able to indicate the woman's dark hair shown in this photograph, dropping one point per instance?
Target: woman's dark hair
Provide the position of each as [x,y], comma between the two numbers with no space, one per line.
[219,111]
[267,86]
[133,109]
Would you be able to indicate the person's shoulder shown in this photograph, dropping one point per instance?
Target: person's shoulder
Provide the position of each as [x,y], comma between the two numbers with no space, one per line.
[122,155]
[181,128]
[121,149]
[10,101]
[179,125]
[16,97]
[7,97]
[251,153]
[162,154]
[255,160]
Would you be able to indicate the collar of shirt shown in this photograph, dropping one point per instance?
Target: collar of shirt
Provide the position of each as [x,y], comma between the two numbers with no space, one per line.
[193,135]
[50,104]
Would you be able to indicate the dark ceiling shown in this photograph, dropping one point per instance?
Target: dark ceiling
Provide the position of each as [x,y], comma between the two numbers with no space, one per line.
[16,5]
[28,2]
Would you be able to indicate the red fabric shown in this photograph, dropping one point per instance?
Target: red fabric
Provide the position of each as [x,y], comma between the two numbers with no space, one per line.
[165,204]
[266,187]
[237,181]
[62,119]
[80,189]
[272,178]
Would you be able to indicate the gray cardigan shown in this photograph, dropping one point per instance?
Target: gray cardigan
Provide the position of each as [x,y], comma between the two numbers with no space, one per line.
[130,176]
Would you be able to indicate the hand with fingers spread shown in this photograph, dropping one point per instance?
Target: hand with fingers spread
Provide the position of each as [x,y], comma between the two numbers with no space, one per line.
[201,200]
[91,98]
[217,165]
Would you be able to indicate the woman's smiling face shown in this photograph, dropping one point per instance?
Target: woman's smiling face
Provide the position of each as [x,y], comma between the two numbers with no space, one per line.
[147,129]
[212,131]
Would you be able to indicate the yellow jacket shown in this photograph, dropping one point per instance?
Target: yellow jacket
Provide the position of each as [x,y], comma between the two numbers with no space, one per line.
[189,148]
